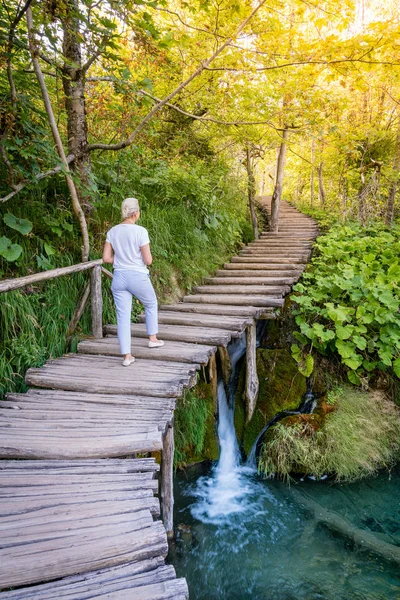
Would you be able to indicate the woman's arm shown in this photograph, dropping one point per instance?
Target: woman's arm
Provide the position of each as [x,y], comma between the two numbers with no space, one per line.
[146,254]
[108,256]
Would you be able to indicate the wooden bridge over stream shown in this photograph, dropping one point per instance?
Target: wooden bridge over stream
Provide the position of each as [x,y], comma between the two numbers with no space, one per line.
[79,513]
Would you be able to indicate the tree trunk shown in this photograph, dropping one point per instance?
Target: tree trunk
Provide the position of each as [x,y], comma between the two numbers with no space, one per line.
[251,186]
[395,184]
[74,89]
[276,196]
[321,190]
[361,200]
[312,173]
[57,138]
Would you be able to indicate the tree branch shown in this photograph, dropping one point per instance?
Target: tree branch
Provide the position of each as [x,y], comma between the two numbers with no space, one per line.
[24,184]
[175,14]
[209,119]
[162,103]
[306,62]
[96,55]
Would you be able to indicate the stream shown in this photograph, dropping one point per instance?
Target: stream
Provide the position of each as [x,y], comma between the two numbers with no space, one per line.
[239,537]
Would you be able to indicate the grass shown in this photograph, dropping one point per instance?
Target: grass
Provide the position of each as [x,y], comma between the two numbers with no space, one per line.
[356,440]
[34,323]
[192,418]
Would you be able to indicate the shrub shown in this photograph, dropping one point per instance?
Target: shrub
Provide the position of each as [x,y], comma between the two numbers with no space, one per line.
[348,300]
[361,436]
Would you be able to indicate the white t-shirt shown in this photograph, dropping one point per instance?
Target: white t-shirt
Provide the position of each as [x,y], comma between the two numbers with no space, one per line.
[126,241]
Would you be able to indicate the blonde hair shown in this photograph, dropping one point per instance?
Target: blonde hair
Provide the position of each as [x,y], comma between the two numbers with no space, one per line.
[129,207]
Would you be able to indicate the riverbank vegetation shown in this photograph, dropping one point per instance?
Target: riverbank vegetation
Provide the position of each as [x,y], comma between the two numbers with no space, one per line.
[359,437]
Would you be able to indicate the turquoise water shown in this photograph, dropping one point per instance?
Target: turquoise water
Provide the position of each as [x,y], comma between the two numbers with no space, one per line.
[271,548]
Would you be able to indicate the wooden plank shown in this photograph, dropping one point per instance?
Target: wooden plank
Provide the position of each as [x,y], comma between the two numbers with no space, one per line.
[247,280]
[65,445]
[114,366]
[114,466]
[56,396]
[227,272]
[171,388]
[203,335]
[89,584]
[270,290]
[265,301]
[155,584]
[107,546]
[201,320]
[267,265]
[138,499]
[268,260]
[79,587]
[217,309]
[173,351]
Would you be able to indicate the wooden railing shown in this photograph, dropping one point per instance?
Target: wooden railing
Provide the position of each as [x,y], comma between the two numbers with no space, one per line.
[93,288]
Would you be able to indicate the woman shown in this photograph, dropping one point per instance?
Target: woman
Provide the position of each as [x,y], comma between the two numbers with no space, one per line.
[127,247]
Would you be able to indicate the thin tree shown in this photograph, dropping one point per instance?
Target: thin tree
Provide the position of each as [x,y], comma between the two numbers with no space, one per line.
[276,196]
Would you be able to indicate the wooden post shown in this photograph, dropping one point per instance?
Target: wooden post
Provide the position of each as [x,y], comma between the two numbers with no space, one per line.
[97,302]
[226,365]
[167,483]
[252,383]
[213,380]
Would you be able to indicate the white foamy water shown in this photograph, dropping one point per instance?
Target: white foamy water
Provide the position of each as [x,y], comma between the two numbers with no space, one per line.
[228,489]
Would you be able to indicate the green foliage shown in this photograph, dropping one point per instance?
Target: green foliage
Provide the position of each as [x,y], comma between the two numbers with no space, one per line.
[191,416]
[348,300]
[361,436]
[34,323]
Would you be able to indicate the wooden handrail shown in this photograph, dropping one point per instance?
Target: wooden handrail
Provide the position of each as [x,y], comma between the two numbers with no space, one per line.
[19,282]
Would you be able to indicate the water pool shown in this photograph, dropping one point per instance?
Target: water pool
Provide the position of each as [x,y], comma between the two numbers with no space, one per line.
[270,547]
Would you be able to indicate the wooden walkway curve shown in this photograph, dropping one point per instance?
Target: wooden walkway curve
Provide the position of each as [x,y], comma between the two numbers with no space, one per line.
[78,512]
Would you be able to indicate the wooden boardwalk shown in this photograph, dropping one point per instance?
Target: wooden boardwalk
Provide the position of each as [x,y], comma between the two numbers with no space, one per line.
[79,512]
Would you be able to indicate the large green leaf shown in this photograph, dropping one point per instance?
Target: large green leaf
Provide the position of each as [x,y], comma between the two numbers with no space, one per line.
[396,367]
[8,250]
[22,225]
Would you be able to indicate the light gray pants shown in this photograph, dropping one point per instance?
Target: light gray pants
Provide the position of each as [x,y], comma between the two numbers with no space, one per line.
[125,285]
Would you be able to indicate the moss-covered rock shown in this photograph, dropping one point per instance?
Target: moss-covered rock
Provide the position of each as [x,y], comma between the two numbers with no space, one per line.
[281,388]
[351,439]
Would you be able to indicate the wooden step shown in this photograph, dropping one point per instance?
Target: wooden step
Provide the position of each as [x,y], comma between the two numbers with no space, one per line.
[268,260]
[277,253]
[265,263]
[270,290]
[202,320]
[173,351]
[105,374]
[249,279]
[201,335]
[148,579]
[240,272]
[52,398]
[218,309]
[253,300]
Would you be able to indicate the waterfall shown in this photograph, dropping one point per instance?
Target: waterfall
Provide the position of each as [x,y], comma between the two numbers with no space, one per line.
[307,405]
[224,492]
[229,488]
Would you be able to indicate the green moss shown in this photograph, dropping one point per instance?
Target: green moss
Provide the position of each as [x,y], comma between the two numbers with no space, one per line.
[361,436]
[281,388]
[195,431]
